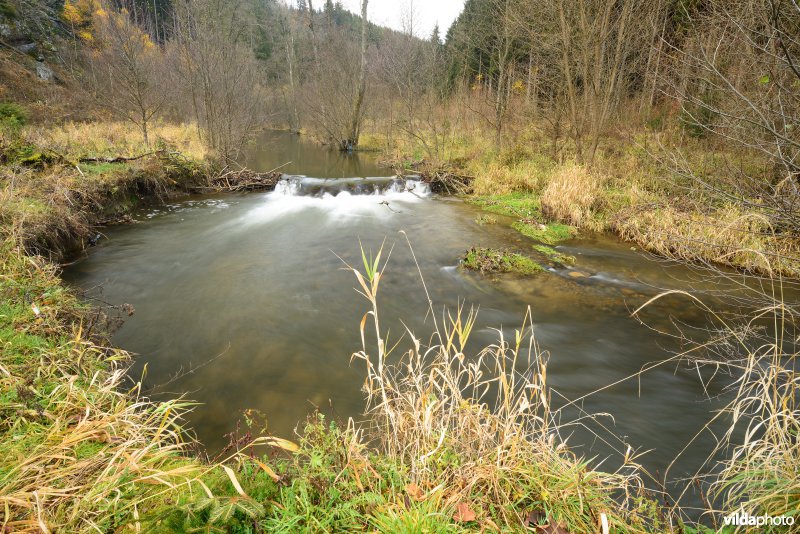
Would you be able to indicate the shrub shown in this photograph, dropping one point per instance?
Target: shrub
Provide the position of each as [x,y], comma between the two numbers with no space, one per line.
[12,115]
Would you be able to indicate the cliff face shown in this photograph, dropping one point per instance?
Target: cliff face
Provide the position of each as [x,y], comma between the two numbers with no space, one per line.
[35,53]
[31,26]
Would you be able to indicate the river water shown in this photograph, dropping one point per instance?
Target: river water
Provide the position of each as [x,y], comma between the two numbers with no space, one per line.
[241,302]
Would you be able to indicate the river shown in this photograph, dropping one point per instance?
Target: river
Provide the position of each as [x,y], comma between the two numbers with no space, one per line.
[241,302]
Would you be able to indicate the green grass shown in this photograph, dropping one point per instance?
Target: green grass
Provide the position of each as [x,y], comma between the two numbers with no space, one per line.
[522,205]
[102,168]
[487,260]
[527,208]
[549,234]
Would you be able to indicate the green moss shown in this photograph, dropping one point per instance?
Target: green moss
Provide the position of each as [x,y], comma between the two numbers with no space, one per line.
[549,234]
[554,255]
[487,260]
[513,204]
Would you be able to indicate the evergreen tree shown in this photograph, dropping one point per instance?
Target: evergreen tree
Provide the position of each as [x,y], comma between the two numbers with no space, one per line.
[436,38]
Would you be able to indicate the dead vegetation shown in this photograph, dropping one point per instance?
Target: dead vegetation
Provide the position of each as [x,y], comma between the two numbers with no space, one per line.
[448,182]
[572,195]
[53,206]
[242,180]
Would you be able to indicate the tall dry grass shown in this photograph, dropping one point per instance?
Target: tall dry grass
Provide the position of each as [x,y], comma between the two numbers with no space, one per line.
[726,235]
[111,139]
[755,465]
[478,431]
[76,442]
[572,195]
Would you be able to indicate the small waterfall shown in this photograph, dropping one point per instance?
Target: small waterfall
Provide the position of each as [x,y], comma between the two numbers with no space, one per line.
[339,199]
[318,187]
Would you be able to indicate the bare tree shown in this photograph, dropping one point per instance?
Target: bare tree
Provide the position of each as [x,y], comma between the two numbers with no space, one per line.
[601,42]
[126,66]
[355,124]
[488,44]
[412,72]
[291,65]
[218,67]
[738,79]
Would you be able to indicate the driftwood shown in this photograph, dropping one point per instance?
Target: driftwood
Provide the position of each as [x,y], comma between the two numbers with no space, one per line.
[443,181]
[243,180]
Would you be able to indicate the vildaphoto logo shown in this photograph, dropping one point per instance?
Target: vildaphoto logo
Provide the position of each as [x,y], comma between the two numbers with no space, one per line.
[743,519]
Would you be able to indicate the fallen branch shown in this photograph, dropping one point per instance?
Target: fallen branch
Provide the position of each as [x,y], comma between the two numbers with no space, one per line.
[119,159]
[442,179]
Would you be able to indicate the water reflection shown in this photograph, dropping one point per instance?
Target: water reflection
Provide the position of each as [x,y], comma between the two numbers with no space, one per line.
[304,156]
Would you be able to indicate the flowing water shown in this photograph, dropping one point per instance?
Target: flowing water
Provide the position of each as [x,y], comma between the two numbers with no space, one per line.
[241,302]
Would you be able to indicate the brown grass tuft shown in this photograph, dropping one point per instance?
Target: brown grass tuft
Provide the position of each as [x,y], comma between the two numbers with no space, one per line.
[572,195]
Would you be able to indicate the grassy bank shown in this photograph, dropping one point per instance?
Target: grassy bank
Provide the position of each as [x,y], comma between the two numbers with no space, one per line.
[633,190]
[58,184]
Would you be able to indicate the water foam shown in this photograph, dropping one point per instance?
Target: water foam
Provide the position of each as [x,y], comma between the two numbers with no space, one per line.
[339,199]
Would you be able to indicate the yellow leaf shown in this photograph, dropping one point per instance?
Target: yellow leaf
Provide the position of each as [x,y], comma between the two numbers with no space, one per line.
[236,485]
[268,470]
[284,444]
[415,492]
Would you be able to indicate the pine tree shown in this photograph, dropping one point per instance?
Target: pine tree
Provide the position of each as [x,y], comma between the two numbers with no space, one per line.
[436,38]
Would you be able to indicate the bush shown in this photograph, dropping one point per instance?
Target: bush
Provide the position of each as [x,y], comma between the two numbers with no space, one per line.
[12,115]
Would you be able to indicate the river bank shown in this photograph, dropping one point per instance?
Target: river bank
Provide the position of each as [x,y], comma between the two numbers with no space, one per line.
[641,190]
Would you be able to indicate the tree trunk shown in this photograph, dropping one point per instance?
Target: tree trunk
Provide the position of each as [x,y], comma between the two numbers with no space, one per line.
[294,118]
[355,124]
[318,71]
[144,129]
